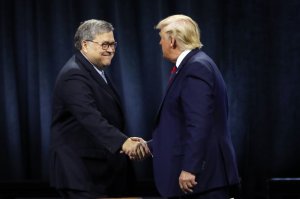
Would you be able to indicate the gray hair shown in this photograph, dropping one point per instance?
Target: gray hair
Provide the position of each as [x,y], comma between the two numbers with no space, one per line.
[89,29]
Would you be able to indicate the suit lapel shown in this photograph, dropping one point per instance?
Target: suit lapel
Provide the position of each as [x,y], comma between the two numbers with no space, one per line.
[112,88]
[108,87]
[180,67]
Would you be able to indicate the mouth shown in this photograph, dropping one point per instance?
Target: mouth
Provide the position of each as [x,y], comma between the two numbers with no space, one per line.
[107,54]
[107,57]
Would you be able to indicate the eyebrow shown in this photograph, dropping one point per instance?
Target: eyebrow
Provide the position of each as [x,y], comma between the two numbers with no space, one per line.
[108,41]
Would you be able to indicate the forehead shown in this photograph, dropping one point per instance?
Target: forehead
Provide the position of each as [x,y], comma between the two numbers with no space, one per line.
[108,36]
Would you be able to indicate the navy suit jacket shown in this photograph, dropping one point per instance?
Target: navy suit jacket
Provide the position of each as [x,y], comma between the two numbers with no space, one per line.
[191,132]
[86,130]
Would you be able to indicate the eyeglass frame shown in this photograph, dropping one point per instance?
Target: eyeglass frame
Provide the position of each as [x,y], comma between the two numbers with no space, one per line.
[112,45]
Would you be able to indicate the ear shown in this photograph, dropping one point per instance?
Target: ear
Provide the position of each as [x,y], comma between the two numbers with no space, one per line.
[173,42]
[84,46]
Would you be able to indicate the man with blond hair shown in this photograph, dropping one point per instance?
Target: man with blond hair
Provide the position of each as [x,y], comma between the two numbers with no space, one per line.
[193,156]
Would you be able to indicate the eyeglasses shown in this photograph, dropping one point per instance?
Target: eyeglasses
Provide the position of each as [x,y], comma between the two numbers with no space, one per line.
[105,45]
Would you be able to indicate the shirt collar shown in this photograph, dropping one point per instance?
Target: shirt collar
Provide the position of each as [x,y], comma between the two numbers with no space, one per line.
[181,57]
[101,72]
[98,70]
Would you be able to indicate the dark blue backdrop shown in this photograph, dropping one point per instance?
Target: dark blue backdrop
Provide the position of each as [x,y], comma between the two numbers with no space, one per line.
[256,44]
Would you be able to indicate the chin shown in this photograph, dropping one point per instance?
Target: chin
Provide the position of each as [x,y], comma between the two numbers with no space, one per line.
[106,64]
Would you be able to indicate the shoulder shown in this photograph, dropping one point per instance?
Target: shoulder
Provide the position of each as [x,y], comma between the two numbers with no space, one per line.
[200,63]
[200,66]
[72,69]
[202,59]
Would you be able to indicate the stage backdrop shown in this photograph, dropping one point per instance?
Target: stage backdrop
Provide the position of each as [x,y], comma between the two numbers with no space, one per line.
[255,43]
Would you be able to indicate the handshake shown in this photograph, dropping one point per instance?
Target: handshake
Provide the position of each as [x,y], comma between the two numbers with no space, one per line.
[136,148]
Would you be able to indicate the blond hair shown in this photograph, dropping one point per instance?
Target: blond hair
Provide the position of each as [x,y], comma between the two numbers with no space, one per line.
[184,29]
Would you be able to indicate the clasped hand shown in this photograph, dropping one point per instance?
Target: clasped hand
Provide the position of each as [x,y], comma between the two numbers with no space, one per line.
[136,148]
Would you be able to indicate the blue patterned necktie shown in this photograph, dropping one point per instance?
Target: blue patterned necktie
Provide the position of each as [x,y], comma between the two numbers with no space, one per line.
[103,76]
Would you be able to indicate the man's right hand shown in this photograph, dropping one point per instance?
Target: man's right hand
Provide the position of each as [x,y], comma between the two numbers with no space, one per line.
[129,147]
[136,148]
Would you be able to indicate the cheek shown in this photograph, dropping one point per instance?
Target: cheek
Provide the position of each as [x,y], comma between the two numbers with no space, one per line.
[164,48]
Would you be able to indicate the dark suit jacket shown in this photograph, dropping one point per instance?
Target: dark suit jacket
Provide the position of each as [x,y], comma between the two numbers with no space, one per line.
[191,133]
[86,130]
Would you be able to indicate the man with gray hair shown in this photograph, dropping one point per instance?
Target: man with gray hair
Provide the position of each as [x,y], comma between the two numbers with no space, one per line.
[88,125]
[193,156]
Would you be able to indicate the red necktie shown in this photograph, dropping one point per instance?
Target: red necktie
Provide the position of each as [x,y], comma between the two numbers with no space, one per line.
[173,72]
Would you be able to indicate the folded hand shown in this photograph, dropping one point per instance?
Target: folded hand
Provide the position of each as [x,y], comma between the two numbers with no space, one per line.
[187,181]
